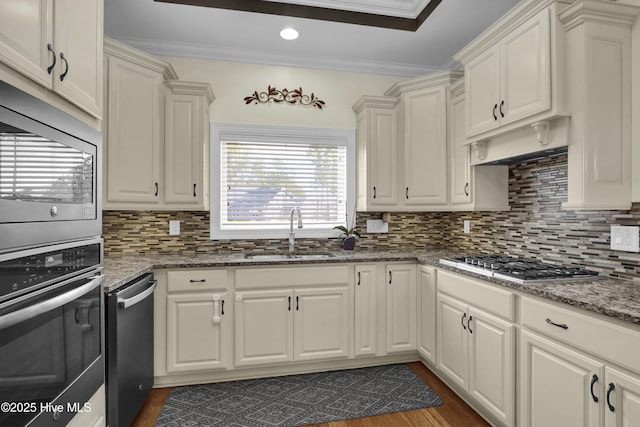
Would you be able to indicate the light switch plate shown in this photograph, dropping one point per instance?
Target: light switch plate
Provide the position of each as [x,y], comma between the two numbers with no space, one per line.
[377,226]
[174,228]
[625,238]
[466,226]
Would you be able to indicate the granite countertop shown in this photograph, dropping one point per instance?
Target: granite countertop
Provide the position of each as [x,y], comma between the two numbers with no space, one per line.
[612,297]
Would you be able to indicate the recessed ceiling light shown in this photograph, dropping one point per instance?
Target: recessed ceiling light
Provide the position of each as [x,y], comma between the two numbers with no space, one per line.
[289,34]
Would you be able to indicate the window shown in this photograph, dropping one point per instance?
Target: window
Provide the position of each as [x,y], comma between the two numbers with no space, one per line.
[260,173]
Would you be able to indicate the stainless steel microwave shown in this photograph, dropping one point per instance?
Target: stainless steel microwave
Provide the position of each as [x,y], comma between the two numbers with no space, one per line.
[50,165]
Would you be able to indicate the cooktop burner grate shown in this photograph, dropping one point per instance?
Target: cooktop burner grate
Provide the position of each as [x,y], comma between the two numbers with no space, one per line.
[516,269]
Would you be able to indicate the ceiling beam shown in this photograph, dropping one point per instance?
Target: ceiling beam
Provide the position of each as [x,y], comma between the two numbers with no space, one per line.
[318,13]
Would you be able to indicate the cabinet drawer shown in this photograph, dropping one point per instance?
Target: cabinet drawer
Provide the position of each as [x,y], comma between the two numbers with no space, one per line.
[486,297]
[608,340]
[196,280]
[256,278]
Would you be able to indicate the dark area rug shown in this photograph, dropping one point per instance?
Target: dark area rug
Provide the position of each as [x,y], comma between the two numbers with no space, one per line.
[299,399]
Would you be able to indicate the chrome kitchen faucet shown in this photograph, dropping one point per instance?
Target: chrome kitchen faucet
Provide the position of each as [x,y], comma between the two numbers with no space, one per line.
[292,235]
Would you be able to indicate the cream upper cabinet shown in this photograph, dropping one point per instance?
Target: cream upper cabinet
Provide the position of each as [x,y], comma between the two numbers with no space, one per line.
[474,188]
[377,152]
[423,148]
[58,44]
[401,307]
[475,342]
[186,144]
[598,45]
[512,80]
[156,135]
[365,310]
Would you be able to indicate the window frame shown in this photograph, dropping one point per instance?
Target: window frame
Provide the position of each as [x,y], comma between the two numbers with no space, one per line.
[277,134]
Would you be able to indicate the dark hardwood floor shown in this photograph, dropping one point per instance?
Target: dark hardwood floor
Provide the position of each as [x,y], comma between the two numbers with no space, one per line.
[454,412]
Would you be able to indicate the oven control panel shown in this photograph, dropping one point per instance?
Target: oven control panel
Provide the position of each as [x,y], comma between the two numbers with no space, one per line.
[34,269]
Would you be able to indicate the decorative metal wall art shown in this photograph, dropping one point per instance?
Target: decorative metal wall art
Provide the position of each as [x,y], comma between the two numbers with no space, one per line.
[287,96]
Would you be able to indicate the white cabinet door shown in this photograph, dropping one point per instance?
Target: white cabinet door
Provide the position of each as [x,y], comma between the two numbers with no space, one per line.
[197,332]
[365,312]
[321,323]
[492,364]
[263,327]
[452,340]
[426,283]
[401,308]
[622,394]
[383,158]
[459,153]
[525,73]
[425,147]
[26,28]
[78,39]
[482,92]
[555,385]
[134,133]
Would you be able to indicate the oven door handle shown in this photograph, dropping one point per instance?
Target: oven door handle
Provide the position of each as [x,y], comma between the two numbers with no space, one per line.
[125,303]
[30,312]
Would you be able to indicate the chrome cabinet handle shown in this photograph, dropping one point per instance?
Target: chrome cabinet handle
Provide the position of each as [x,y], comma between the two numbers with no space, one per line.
[130,302]
[66,67]
[559,325]
[53,64]
[594,380]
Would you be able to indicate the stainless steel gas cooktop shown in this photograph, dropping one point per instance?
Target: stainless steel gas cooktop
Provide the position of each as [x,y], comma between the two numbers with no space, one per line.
[516,270]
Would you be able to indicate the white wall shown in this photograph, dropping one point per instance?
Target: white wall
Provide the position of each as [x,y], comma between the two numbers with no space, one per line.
[233,81]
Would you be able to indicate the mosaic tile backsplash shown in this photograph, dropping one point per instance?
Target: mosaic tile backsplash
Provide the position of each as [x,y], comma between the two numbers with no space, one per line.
[535,227]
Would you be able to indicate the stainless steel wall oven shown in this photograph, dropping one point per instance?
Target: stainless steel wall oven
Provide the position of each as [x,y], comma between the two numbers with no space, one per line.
[49,174]
[51,332]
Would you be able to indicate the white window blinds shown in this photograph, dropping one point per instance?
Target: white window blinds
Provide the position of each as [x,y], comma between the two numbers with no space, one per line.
[260,182]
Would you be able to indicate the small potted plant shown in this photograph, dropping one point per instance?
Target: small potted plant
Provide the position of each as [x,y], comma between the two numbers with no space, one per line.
[348,236]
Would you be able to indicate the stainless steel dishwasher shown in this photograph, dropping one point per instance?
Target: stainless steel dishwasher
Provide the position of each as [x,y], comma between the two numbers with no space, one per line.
[129,349]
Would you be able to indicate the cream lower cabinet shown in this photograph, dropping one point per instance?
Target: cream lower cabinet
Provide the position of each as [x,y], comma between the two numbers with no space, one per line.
[199,321]
[476,343]
[577,369]
[291,325]
[401,307]
[295,313]
[365,310]
[426,333]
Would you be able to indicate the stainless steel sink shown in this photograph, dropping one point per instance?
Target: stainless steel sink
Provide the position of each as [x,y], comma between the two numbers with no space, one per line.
[294,256]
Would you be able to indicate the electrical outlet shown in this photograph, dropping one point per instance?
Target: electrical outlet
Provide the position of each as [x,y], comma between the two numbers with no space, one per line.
[377,226]
[467,226]
[625,238]
[174,228]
